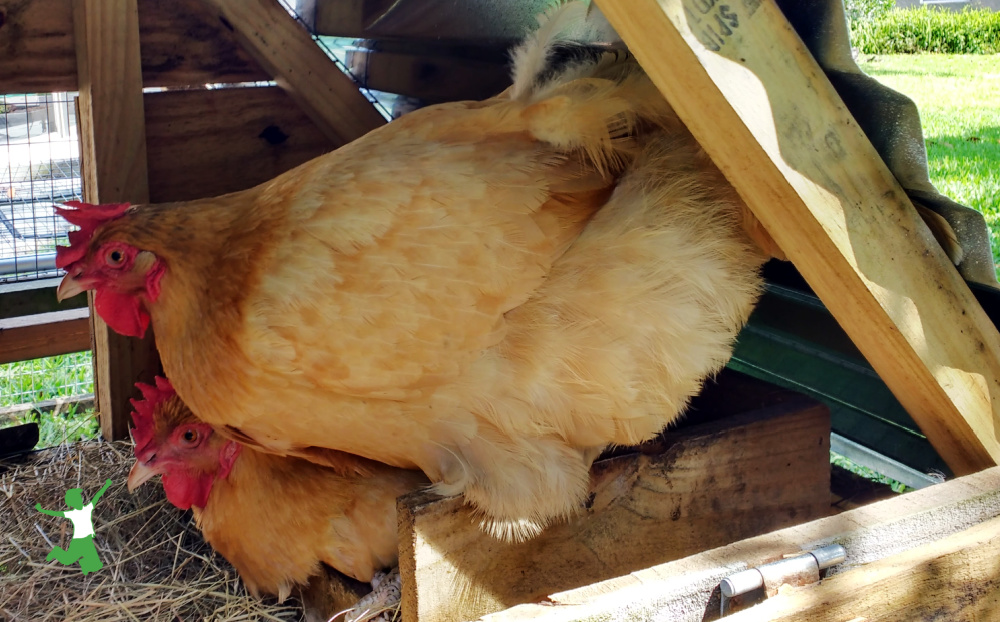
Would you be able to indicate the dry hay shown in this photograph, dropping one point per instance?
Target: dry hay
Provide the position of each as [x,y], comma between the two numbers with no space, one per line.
[156,564]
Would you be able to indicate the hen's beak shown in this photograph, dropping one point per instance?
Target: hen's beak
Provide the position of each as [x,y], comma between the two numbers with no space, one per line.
[139,475]
[72,285]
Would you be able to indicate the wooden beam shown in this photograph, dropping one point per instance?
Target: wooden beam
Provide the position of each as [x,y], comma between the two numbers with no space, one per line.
[46,334]
[22,298]
[39,46]
[687,590]
[756,100]
[957,578]
[286,50]
[113,156]
[193,139]
[711,484]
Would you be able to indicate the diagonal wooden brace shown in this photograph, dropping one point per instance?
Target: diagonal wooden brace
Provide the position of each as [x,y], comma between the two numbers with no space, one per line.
[752,94]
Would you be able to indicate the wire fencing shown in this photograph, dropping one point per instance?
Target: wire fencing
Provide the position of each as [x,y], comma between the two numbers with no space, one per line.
[39,167]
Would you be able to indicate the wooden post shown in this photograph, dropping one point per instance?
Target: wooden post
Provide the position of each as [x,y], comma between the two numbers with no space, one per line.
[286,50]
[113,156]
[754,97]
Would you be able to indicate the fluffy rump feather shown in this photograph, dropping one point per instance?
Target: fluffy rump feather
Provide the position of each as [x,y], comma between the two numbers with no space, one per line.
[644,306]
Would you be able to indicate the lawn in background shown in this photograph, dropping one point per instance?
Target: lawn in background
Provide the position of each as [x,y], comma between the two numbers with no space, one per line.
[958,96]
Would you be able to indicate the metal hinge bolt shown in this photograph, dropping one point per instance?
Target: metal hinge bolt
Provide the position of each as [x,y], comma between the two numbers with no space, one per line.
[801,569]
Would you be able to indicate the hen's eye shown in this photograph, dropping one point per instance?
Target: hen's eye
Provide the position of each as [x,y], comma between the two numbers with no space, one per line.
[116,257]
[190,436]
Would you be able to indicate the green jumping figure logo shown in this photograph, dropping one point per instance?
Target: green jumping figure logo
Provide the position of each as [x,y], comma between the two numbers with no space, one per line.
[81,547]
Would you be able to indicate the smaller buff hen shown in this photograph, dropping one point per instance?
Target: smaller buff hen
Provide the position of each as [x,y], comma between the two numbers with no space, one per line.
[274,518]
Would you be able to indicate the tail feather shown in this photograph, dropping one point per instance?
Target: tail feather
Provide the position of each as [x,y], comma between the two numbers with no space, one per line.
[571,29]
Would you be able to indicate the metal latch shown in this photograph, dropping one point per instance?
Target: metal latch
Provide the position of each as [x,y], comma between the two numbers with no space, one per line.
[800,569]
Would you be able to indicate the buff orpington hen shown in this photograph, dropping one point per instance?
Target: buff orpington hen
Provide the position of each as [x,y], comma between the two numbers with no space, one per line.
[275,518]
[491,292]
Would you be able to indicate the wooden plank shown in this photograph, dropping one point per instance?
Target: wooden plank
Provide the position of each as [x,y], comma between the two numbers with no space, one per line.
[756,100]
[687,590]
[46,334]
[714,483]
[57,405]
[113,156]
[31,297]
[183,43]
[206,143]
[37,47]
[957,578]
[285,49]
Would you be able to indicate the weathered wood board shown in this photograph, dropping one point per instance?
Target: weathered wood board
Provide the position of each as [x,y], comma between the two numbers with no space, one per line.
[956,578]
[909,533]
[182,43]
[44,334]
[703,486]
[756,100]
[22,298]
[206,143]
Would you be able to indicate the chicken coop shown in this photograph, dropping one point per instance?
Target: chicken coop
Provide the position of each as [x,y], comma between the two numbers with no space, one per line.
[875,335]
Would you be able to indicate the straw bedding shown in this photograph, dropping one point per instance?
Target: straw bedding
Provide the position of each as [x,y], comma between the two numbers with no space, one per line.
[156,564]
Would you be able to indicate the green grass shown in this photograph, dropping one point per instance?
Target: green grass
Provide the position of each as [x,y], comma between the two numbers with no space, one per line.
[926,29]
[959,101]
[849,465]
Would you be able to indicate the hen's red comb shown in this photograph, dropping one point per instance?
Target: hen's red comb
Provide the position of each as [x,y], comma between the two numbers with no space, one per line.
[88,217]
[142,416]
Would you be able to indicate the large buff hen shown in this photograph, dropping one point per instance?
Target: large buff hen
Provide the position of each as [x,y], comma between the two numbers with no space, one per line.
[489,291]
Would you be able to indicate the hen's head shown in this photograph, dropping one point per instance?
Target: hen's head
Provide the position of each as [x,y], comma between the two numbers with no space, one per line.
[171,441]
[124,277]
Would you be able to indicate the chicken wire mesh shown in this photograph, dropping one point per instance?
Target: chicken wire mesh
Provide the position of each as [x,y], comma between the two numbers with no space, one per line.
[69,375]
[39,167]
